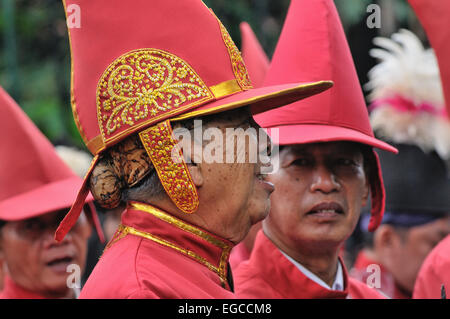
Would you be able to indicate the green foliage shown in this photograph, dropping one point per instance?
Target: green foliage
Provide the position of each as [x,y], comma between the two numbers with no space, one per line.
[38,77]
[351,11]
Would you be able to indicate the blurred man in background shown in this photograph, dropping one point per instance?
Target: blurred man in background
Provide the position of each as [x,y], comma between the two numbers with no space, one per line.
[433,280]
[36,191]
[408,110]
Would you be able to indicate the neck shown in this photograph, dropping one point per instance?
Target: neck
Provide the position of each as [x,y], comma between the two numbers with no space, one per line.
[323,266]
[321,259]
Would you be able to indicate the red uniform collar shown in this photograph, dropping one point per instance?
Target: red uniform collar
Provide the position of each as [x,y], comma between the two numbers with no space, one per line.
[287,279]
[151,223]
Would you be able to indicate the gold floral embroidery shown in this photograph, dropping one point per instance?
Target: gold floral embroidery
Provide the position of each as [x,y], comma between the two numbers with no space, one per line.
[167,158]
[239,69]
[145,84]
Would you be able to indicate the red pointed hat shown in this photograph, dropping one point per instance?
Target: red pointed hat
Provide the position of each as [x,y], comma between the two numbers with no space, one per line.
[253,54]
[312,44]
[35,180]
[137,65]
[433,15]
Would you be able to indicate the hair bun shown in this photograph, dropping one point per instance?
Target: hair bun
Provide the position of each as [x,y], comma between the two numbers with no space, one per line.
[106,185]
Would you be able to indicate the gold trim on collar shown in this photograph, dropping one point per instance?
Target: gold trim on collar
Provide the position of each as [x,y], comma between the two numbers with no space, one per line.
[178,223]
[221,270]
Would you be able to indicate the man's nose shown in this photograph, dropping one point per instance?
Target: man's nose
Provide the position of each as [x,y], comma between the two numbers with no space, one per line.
[324,180]
[49,238]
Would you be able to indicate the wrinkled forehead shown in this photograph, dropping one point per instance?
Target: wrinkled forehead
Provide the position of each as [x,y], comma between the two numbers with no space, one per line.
[47,218]
[325,149]
[55,216]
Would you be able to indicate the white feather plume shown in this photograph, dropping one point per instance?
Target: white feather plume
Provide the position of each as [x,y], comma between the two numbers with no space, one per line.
[79,161]
[408,70]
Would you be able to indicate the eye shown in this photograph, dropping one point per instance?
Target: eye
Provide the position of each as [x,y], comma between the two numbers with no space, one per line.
[33,225]
[346,162]
[301,162]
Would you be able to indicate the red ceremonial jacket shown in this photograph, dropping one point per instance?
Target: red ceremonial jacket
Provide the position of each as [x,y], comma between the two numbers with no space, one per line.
[239,254]
[434,273]
[155,255]
[268,274]
[11,290]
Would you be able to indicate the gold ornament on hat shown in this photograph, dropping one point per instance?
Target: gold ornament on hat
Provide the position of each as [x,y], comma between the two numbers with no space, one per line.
[143,86]
[239,69]
[167,158]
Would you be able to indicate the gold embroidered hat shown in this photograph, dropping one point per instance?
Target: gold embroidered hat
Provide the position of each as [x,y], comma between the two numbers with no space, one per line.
[139,64]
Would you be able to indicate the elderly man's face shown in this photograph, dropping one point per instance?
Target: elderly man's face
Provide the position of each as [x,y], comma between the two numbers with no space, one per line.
[35,260]
[236,189]
[320,189]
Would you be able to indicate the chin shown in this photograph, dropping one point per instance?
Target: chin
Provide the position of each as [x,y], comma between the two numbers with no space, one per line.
[328,238]
[261,215]
[325,234]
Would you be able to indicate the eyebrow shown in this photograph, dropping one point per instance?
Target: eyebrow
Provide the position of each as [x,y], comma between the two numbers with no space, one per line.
[303,150]
[299,151]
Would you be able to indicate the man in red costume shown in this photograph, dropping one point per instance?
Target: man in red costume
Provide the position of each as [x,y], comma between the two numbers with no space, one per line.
[433,280]
[159,68]
[36,191]
[327,167]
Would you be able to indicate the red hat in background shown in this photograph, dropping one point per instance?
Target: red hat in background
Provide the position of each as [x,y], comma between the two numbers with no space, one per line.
[434,15]
[312,45]
[138,65]
[253,54]
[35,180]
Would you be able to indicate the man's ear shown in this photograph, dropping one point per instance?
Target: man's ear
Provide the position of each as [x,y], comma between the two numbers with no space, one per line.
[370,168]
[193,159]
[2,255]
[366,192]
[196,173]
[384,236]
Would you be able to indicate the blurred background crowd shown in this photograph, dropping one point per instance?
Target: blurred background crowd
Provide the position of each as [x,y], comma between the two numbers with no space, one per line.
[35,71]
